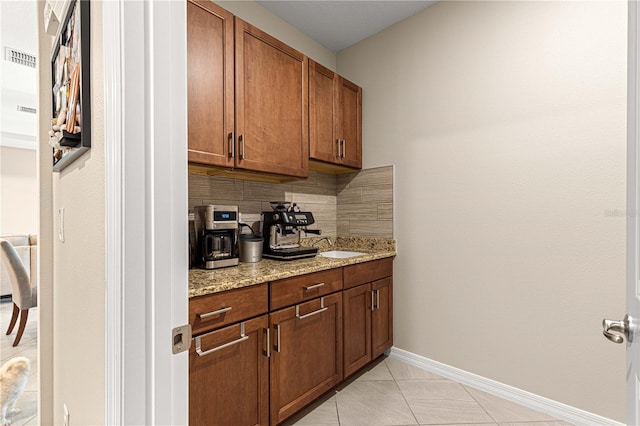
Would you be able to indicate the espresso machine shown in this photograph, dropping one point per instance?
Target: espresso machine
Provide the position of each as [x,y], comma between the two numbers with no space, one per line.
[282,229]
[216,230]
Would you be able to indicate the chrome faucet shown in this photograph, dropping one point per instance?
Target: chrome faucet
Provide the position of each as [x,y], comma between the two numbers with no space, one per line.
[322,239]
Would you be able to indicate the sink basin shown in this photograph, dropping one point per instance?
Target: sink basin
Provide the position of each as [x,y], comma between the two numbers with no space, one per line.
[339,254]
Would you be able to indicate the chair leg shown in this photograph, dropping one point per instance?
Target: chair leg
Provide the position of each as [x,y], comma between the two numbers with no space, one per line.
[23,321]
[14,318]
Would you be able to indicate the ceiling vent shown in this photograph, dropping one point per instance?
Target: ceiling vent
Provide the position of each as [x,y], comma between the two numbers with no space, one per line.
[18,57]
[26,109]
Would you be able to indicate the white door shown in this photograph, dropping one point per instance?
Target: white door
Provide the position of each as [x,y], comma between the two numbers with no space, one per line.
[144,55]
[627,328]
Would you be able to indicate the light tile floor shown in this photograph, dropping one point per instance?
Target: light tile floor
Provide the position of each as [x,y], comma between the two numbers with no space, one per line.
[392,392]
[28,347]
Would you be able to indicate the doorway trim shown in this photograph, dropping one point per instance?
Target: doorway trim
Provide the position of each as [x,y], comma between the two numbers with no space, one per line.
[146,262]
[113,207]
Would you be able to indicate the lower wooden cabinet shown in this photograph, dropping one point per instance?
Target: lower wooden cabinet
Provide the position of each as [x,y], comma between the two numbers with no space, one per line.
[306,356]
[247,367]
[382,316]
[368,323]
[229,379]
[357,327]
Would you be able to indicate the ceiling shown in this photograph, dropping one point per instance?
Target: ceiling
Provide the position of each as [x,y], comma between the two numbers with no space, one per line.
[339,24]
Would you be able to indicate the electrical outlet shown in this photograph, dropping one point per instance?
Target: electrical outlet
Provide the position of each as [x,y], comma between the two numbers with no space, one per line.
[65,421]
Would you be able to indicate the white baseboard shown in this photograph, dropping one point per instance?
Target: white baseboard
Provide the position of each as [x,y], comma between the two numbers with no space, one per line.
[535,402]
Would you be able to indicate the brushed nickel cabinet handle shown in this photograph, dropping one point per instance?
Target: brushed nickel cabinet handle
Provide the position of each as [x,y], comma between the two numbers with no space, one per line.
[373,305]
[214,313]
[378,299]
[232,145]
[310,314]
[200,352]
[338,146]
[343,148]
[268,330]
[241,141]
[311,287]
[277,346]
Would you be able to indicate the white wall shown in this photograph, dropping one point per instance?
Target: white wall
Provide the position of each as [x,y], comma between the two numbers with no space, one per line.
[77,264]
[18,191]
[18,82]
[506,122]
[18,165]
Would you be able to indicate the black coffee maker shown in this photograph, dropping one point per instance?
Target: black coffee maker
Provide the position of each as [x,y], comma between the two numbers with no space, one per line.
[282,229]
[216,229]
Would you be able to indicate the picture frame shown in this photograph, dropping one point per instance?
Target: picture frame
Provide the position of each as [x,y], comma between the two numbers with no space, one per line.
[70,133]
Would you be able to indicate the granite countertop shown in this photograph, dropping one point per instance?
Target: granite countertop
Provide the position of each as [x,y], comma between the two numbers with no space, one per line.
[203,282]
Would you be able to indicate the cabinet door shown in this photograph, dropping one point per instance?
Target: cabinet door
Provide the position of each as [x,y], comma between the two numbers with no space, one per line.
[209,83]
[306,360]
[323,140]
[382,316]
[357,327]
[349,122]
[230,386]
[272,92]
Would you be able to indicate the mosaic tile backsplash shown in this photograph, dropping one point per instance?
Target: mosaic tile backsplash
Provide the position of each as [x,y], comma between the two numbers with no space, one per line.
[363,200]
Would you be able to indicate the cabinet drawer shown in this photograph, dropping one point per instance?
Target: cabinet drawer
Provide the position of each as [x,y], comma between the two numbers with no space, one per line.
[224,308]
[367,272]
[297,289]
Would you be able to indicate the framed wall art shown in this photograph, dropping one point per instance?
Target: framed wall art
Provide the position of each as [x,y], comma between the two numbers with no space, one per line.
[70,133]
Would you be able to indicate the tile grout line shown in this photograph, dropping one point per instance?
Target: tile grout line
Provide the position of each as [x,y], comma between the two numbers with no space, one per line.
[335,396]
[479,404]
[402,393]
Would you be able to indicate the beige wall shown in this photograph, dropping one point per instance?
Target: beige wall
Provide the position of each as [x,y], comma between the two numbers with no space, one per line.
[18,191]
[77,264]
[506,124]
[253,13]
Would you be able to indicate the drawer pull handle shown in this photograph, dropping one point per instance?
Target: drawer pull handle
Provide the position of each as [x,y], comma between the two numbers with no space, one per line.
[214,313]
[322,309]
[200,352]
[311,287]
[373,305]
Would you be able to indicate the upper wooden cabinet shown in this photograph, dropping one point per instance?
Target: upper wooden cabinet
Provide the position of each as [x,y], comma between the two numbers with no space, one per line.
[247,96]
[323,140]
[210,83]
[335,115]
[349,122]
[271,104]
